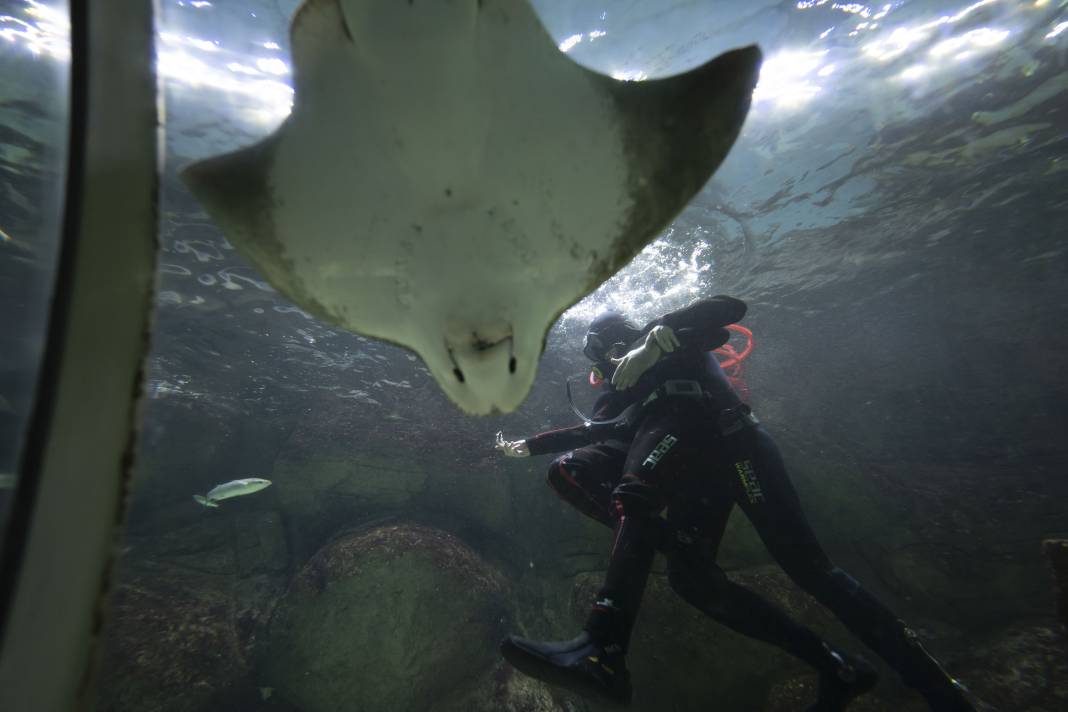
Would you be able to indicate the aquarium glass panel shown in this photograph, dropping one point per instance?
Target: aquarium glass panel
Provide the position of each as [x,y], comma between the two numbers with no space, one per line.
[34,74]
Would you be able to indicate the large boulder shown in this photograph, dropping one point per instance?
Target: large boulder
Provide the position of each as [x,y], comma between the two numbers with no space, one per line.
[502,689]
[1021,668]
[398,617]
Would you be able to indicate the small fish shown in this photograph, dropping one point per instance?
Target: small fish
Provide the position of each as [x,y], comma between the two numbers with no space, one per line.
[234,488]
[10,242]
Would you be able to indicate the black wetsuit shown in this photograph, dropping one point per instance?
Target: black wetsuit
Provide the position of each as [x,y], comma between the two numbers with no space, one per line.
[698,457]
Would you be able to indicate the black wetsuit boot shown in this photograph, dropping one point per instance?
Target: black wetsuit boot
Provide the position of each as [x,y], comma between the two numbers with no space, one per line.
[593,664]
[583,665]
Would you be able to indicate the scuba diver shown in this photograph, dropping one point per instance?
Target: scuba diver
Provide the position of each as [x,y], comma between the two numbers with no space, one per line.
[670,432]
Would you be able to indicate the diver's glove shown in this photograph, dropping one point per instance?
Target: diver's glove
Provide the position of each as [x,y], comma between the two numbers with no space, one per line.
[665,338]
[660,340]
[512,448]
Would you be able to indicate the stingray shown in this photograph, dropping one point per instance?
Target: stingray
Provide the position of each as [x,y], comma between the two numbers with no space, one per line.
[450,181]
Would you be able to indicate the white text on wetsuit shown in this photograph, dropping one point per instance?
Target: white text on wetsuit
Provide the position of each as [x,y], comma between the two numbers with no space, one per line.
[658,452]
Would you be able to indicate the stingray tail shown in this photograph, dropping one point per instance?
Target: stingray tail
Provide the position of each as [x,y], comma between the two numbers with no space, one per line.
[205,501]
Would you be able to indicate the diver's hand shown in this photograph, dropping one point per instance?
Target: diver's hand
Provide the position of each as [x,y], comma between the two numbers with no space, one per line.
[512,448]
[665,338]
[629,369]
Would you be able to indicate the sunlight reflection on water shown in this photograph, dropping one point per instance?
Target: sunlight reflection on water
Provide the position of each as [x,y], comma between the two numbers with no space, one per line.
[893,47]
[790,77]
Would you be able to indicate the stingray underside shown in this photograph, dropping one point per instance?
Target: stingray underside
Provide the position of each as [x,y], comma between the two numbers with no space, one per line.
[450,181]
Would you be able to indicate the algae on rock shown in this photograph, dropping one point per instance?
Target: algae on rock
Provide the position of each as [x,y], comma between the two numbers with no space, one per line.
[394,617]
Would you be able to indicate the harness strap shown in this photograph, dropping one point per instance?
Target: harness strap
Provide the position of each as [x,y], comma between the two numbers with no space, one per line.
[738,418]
[728,421]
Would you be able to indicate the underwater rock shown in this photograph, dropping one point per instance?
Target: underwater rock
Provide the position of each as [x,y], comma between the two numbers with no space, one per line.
[336,488]
[173,643]
[1057,553]
[190,605]
[326,493]
[392,618]
[796,693]
[502,689]
[1021,668]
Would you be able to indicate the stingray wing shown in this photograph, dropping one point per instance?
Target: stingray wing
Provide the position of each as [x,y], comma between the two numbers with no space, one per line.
[676,133]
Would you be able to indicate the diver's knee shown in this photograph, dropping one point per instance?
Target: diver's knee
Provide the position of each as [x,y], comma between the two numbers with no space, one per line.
[560,477]
[634,498]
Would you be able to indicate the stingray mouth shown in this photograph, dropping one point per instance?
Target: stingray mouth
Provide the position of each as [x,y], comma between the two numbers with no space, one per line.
[479,350]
